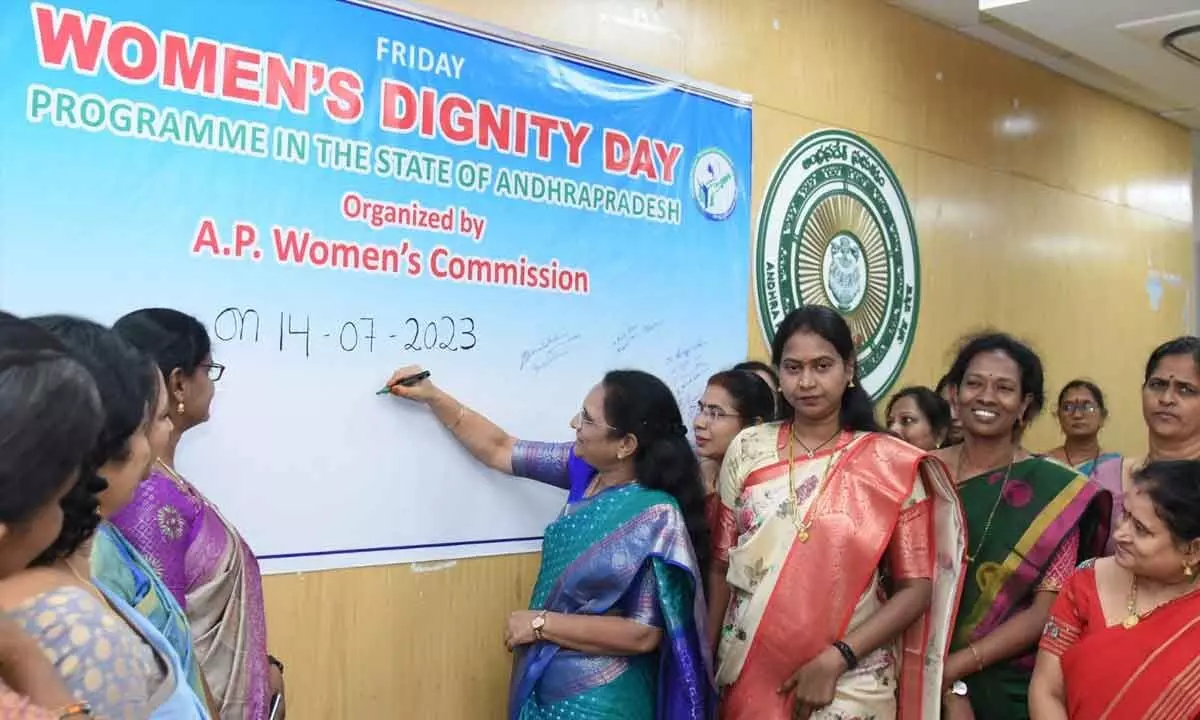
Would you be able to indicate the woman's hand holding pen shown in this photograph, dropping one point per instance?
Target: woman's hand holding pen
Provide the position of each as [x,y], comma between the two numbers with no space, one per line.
[408,383]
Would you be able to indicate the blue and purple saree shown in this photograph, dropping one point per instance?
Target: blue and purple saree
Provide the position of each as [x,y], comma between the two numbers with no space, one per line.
[624,551]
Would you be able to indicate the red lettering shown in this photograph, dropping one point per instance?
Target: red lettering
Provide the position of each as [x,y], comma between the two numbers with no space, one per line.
[370,258]
[318,252]
[428,108]
[455,117]
[398,109]
[576,136]
[206,239]
[287,83]
[122,37]
[414,263]
[643,161]
[521,136]
[242,66]
[351,206]
[617,148]
[668,159]
[190,66]
[292,246]
[62,37]
[544,127]
[244,237]
[435,268]
[344,102]
[495,128]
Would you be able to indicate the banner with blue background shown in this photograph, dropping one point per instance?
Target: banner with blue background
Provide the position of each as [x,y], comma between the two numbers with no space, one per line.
[336,190]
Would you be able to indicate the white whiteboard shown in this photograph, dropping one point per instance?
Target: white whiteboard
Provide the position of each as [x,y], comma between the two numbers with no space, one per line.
[643,241]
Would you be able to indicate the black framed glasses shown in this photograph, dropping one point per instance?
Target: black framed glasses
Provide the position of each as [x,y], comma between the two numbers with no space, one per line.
[215,370]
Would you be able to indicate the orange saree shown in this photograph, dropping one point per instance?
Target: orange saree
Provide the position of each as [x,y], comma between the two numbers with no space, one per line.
[1150,671]
[875,504]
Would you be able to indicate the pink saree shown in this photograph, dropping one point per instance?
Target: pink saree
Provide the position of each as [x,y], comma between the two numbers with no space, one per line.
[214,575]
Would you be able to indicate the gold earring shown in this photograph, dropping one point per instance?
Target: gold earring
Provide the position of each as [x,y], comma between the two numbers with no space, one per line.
[179,408]
[1188,571]
[851,383]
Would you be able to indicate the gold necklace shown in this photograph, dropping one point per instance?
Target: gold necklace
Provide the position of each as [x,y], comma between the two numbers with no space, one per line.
[803,526]
[1132,616]
[987,527]
[170,471]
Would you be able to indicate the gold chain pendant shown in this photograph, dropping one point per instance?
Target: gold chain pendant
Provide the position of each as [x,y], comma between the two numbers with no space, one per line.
[1130,622]
[802,535]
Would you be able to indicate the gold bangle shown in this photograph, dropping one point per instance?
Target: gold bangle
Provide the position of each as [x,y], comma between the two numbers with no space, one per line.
[978,659]
[462,413]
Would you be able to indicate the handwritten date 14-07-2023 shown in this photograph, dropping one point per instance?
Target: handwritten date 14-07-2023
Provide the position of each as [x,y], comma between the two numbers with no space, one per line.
[299,332]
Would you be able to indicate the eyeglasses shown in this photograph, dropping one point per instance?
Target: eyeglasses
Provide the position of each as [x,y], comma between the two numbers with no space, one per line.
[1085,407]
[215,370]
[583,418]
[713,412]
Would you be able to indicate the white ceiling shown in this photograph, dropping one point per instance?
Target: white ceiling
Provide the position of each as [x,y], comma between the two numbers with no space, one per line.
[1116,46]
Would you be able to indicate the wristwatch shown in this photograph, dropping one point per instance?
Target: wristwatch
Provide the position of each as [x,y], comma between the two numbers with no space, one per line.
[537,624]
[959,688]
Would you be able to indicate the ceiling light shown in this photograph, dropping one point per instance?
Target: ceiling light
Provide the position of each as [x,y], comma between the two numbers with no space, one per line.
[985,5]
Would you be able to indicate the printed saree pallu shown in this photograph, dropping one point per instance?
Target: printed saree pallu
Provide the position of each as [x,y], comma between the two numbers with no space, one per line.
[624,551]
[885,504]
[1047,520]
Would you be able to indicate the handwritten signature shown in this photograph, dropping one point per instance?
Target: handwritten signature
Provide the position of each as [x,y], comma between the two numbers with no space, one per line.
[548,351]
[632,333]
[686,368]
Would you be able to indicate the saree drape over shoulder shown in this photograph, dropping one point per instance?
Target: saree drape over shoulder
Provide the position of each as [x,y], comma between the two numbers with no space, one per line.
[124,572]
[879,508]
[624,551]
[1108,472]
[214,577]
[1048,518]
[1147,672]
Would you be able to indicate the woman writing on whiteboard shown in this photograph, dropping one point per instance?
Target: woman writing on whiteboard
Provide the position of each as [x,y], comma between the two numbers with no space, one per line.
[201,557]
[615,625]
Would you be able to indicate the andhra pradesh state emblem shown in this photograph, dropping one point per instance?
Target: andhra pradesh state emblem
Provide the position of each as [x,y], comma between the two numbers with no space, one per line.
[835,229]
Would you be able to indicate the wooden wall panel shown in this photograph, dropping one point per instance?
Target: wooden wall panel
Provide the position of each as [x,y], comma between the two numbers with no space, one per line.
[1042,207]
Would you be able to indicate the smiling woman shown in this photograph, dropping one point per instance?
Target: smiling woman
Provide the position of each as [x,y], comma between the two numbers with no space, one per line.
[1024,512]
[615,626]
[1122,636]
